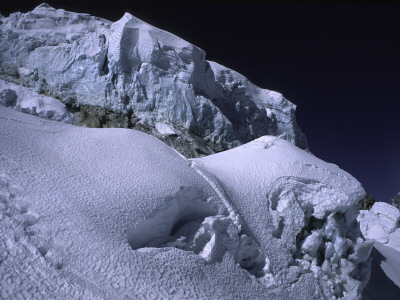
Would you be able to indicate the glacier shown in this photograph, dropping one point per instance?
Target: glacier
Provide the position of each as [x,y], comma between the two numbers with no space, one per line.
[235,208]
[89,213]
[130,74]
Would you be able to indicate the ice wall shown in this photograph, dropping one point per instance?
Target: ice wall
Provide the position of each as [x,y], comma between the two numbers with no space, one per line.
[146,74]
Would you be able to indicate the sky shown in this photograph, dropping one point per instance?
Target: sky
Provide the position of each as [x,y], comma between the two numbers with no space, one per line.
[337,61]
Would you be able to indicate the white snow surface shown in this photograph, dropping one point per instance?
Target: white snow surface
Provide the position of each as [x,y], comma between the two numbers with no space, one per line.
[382,224]
[165,129]
[116,214]
[31,102]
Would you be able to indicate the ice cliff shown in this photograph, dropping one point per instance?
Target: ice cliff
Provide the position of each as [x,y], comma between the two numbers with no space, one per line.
[130,74]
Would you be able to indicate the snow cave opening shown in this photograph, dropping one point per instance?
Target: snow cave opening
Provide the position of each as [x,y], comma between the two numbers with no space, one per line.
[179,217]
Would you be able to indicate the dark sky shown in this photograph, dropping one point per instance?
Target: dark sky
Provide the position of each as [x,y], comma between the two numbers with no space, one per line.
[337,61]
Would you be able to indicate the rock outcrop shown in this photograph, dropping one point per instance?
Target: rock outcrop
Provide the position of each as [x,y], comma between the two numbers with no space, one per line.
[366,203]
[396,201]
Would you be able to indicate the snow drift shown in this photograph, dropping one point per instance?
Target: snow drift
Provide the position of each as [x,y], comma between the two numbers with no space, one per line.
[116,214]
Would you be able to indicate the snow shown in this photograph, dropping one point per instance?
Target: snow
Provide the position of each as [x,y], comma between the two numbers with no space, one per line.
[382,225]
[269,100]
[71,195]
[392,263]
[29,101]
[131,66]
[116,214]
[165,129]
[292,202]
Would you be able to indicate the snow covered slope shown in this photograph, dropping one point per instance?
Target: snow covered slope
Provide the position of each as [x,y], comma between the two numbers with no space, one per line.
[116,214]
[302,212]
[144,75]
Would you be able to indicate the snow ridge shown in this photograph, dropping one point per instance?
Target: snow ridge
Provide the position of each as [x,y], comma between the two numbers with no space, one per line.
[197,166]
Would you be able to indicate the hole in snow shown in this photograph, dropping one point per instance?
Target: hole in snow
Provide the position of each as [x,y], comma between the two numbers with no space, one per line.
[186,225]
[43,250]
[181,215]
[277,232]
[188,222]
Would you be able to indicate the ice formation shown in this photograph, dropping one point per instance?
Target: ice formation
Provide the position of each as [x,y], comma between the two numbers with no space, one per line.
[130,74]
[382,225]
[115,214]
[91,213]
[380,222]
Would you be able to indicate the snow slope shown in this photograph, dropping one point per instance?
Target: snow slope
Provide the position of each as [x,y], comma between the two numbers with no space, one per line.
[116,214]
[147,74]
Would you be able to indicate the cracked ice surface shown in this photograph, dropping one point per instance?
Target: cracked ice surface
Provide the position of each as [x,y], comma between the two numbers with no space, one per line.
[302,212]
[116,214]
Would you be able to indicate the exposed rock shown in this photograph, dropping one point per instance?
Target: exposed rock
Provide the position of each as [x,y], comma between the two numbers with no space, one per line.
[8,97]
[366,202]
[97,117]
[396,201]
[180,139]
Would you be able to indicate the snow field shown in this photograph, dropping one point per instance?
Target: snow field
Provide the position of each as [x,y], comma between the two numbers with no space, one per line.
[115,213]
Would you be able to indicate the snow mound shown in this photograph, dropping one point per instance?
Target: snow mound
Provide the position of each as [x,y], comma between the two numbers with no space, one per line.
[147,74]
[116,214]
[305,214]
